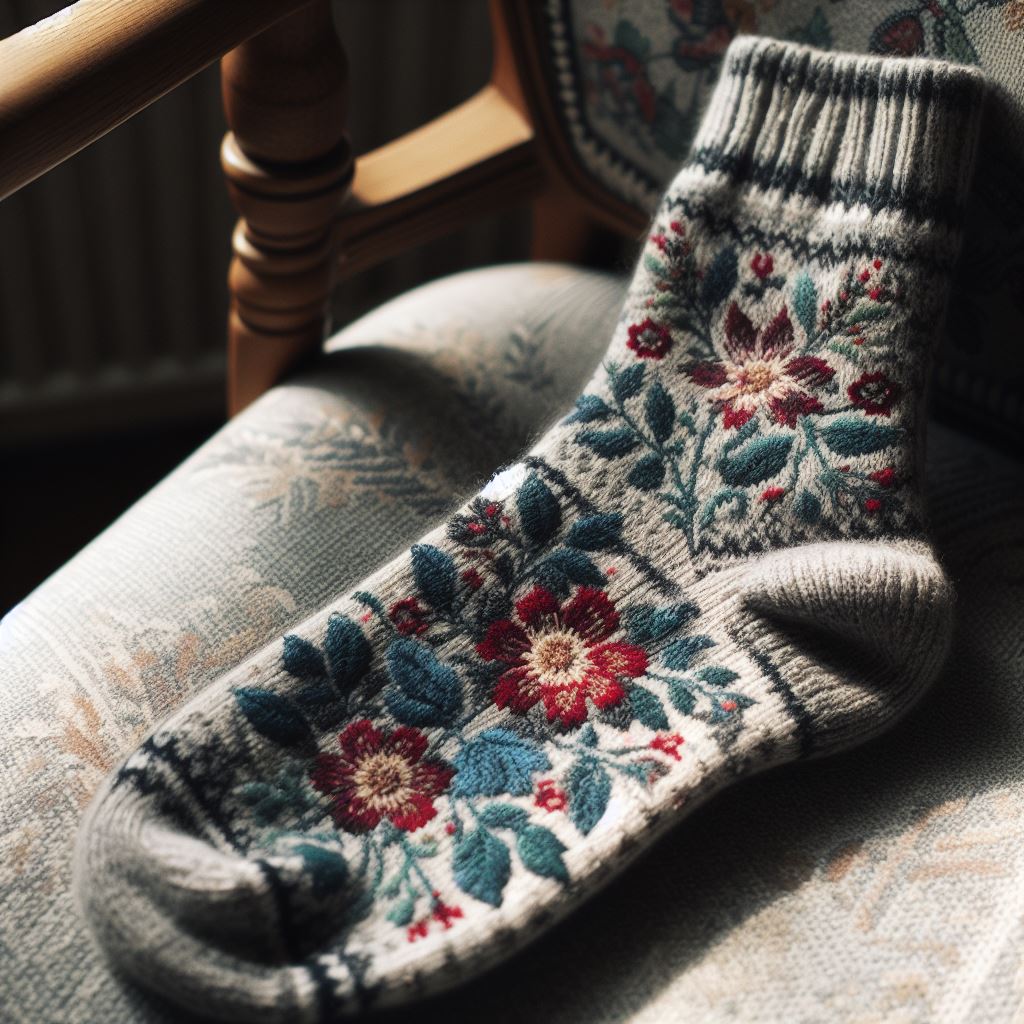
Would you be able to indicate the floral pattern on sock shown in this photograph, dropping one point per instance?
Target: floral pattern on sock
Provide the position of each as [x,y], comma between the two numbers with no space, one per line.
[788,428]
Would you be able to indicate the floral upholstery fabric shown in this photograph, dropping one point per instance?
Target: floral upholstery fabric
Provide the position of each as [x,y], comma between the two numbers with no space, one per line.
[300,497]
[631,78]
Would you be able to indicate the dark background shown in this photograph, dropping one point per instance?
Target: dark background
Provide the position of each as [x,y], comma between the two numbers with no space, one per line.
[112,279]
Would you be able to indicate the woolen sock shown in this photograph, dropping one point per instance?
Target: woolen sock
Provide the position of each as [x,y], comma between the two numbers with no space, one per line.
[714,564]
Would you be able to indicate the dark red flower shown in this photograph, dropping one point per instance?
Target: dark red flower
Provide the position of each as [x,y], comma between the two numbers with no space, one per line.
[901,35]
[874,393]
[759,371]
[884,477]
[772,494]
[472,579]
[668,743]
[873,504]
[762,264]
[649,340]
[549,796]
[409,617]
[381,775]
[561,655]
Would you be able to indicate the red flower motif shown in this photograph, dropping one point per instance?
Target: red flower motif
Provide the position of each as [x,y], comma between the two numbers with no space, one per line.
[409,617]
[759,371]
[649,340]
[549,796]
[668,743]
[472,579]
[762,264]
[884,477]
[444,914]
[772,494]
[561,655]
[873,505]
[874,393]
[380,775]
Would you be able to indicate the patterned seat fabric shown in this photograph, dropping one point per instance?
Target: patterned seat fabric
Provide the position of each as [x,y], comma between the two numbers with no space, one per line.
[631,77]
[294,501]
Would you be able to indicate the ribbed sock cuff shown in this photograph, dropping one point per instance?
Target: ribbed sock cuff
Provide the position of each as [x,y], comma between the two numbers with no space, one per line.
[885,132]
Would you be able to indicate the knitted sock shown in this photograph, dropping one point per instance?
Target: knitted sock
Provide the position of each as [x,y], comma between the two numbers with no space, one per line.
[716,563]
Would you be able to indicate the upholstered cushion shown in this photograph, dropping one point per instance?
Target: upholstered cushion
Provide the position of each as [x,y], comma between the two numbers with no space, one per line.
[294,501]
[631,80]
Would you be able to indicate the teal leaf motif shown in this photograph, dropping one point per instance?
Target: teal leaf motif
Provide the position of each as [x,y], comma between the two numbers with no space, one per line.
[681,696]
[659,412]
[538,511]
[541,852]
[648,709]
[497,761]
[326,867]
[629,37]
[273,716]
[626,383]
[348,651]
[573,566]
[589,408]
[807,507]
[610,444]
[481,866]
[805,303]
[402,912]
[303,659]
[434,573]
[504,816]
[720,279]
[854,436]
[716,675]
[648,623]
[648,473]
[679,654]
[425,691]
[596,533]
[589,789]
[760,460]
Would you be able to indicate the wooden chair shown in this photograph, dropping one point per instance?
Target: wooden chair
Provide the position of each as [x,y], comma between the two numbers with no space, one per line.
[309,212]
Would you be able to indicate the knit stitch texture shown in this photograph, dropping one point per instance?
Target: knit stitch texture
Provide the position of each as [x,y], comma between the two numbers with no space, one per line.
[714,564]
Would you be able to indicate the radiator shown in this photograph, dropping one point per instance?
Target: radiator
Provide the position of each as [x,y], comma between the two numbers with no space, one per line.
[112,267]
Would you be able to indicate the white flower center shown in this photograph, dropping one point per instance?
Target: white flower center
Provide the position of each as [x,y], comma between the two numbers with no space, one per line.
[558,658]
[383,780]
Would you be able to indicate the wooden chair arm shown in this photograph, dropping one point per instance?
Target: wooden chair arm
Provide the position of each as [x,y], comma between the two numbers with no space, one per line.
[73,77]
[474,160]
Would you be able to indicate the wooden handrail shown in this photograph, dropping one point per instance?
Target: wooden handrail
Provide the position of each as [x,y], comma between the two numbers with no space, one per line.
[73,77]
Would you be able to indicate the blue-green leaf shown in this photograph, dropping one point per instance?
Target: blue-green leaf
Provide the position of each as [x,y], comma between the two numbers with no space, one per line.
[716,675]
[626,383]
[681,697]
[589,789]
[659,411]
[348,652]
[596,533]
[807,507]
[541,852]
[648,623]
[503,816]
[610,444]
[720,279]
[326,867]
[589,408]
[588,736]
[575,566]
[679,654]
[434,573]
[648,709]
[648,473]
[497,761]
[481,865]
[273,716]
[303,659]
[425,691]
[760,460]
[805,303]
[852,435]
[538,510]
[402,912]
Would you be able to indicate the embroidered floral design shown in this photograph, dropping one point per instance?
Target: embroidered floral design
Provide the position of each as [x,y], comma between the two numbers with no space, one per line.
[780,417]
[380,775]
[874,393]
[760,372]
[650,340]
[562,656]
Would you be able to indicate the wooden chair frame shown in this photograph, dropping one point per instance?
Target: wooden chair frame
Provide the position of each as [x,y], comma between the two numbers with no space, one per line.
[309,212]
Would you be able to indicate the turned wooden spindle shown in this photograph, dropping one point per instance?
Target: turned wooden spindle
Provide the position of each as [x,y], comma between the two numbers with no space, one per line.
[289,166]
